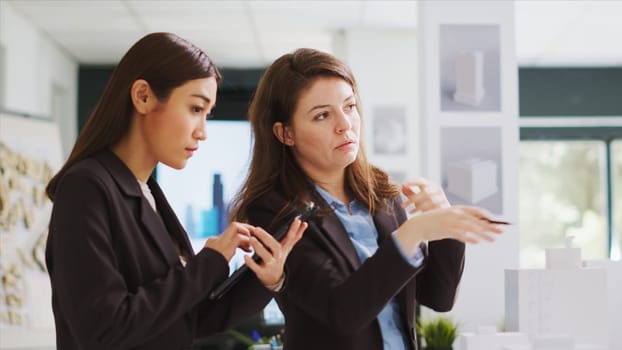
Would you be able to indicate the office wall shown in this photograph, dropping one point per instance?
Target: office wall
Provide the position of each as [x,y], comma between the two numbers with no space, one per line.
[458,133]
[384,63]
[38,77]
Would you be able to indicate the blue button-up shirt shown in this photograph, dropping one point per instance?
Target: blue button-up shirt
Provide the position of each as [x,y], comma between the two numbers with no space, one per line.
[364,236]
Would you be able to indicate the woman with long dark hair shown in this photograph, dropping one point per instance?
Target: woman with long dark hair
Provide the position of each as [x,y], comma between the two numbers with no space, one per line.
[123,272]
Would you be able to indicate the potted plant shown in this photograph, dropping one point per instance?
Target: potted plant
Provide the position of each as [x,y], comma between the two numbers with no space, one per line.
[438,334]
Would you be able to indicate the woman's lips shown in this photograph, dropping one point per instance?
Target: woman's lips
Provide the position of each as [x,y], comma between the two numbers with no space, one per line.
[346,144]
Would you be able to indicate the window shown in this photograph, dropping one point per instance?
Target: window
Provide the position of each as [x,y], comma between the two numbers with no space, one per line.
[562,193]
[570,174]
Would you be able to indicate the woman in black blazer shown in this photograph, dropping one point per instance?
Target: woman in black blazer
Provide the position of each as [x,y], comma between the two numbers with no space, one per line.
[355,277]
[123,273]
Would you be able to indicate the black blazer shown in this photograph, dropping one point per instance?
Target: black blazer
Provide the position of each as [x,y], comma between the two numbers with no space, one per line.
[331,300]
[117,282]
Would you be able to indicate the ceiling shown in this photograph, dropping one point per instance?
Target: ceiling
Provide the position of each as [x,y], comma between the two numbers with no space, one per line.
[252,33]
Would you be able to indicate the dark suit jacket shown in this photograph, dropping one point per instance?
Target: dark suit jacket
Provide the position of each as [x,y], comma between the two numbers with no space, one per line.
[117,282]
[331,300]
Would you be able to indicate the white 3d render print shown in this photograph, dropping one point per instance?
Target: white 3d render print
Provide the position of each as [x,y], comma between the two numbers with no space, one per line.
[469,77]
[472,179]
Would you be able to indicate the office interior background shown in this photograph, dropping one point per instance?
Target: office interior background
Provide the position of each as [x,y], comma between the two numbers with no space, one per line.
[547,131]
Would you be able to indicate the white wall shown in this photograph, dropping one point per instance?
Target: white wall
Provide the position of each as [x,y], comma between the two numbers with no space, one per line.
[481,295]
[384,63]
[38,78]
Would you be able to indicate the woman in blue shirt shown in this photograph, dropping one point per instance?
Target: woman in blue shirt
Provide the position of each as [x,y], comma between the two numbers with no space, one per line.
[356,276]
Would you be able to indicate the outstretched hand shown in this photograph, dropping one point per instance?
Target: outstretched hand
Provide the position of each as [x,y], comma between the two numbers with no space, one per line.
[463,223]
[423,196]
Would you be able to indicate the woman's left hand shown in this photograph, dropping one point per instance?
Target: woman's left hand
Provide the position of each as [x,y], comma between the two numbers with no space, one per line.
[427,197]
[273,253]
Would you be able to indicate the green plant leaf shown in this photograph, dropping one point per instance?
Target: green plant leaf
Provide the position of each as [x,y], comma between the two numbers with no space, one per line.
[439,332]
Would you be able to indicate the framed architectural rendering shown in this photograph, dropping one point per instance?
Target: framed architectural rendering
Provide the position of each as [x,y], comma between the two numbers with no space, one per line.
[470,75]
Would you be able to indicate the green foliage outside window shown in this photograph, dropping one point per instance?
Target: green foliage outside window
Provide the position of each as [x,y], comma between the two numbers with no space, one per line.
[562,193]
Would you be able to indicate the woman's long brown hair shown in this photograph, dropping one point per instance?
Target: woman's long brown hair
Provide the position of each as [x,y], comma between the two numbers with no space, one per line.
[273,165]
[165,61]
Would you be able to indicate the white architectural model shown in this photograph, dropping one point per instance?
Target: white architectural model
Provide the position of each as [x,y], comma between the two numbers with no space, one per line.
[469,78]
[472,179]
[569,305]
[563,306]
[487,338]
[614,291]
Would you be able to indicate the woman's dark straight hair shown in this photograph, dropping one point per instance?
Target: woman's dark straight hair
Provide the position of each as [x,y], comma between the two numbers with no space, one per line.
[165,61]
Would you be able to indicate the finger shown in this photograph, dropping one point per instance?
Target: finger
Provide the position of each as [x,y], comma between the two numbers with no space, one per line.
[237,227]
[409,193]
[293,229]
[419,182]
[425,202]
[293,236]
[484,235]
[433,202]
[266,239]
[262,251]
[466,238]
[410,189]
[267,275]
[426,206]
[407,190]
[254,266]
[422,198]
[480,213]
[439,197]
[475,229]
[468,229]
[469,237]
[482,217]
[244,243]
[492,228]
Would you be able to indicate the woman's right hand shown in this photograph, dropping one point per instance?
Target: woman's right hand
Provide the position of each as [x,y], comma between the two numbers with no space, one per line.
[237,235]
[463,223]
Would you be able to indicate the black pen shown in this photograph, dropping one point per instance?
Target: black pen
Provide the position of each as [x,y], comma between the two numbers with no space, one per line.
[498,222]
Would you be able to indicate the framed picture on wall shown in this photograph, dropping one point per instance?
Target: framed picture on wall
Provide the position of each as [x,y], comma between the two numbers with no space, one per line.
[469,62]
[471,169]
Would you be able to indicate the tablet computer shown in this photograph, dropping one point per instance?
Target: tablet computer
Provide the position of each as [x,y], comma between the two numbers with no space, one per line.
[304,214]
